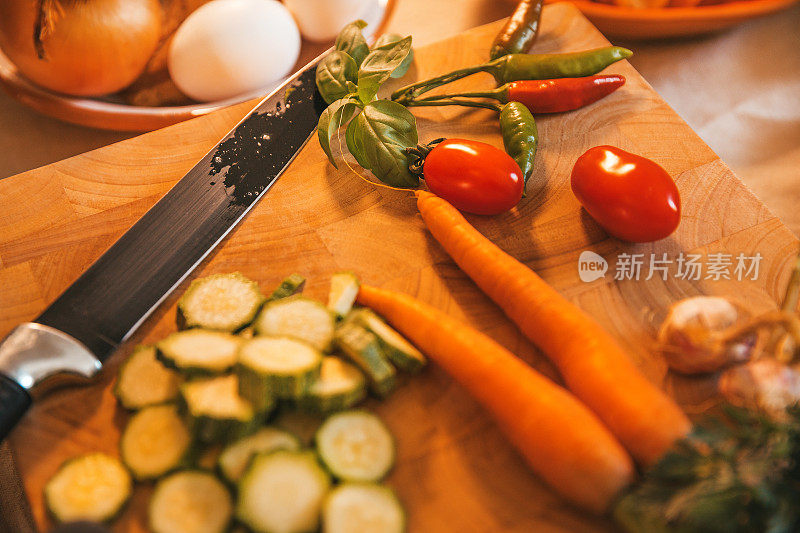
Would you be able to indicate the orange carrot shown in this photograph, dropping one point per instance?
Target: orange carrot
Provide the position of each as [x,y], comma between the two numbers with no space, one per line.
[595,368]
[561,440]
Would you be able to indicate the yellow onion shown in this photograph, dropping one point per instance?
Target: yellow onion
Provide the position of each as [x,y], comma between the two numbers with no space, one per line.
[80,47]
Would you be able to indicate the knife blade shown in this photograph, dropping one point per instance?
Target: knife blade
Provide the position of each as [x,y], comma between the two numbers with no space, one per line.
[106,304]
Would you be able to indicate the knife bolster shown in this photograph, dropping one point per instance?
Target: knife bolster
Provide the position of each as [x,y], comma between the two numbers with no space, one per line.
[39,357]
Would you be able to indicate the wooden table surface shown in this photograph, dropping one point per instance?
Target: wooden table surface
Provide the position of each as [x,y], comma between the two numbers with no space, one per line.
[455,472]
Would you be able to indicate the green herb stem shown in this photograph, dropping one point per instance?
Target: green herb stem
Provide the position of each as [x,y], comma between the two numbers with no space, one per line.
[452,101]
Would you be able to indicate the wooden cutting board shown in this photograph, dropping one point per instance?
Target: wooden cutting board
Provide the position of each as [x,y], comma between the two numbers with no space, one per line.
[455,472]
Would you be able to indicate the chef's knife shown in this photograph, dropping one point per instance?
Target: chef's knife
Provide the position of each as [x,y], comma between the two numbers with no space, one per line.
[73,336]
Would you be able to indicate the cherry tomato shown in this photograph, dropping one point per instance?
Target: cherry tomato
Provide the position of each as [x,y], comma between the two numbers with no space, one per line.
[473,176]
[630,196]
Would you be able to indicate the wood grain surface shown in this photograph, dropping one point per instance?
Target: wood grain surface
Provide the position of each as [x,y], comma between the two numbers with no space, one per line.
[455,472]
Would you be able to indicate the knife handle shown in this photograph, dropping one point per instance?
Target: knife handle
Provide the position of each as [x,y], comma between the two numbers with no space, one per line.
[14,402]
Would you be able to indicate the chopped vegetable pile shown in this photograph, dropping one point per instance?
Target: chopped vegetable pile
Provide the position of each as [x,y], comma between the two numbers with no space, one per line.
[201,399]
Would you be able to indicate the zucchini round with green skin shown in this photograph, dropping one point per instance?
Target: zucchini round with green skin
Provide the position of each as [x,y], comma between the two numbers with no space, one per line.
[91,487]
[289,286]
[223,302]
[298,317]
[199,351]
[216,412]
[282,492]
[155,441]
[143,380]
[399,351]
[190,501]
[356,446]
[363,349]
[362,508]
[340,386]
[235,457]
[276,367]
[344,289]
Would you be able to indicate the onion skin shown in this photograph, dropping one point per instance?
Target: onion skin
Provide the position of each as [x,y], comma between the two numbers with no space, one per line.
[765,385]
[91,47]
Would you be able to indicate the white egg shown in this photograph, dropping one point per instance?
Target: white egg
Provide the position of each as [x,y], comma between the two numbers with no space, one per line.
[321,20]
[232,47]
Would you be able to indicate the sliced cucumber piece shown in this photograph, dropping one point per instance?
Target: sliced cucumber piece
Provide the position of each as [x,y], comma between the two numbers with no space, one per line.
[154,442]
[216,412]
[399,351]
[234,458]
[356,446]
[362,508]
[344,289]
[199,351]
[143,380]
[292,285]
[282,492]
[190,501]
[281,367]
[340,386]
[223,302]
[362,348]
[298,317]
[91,487]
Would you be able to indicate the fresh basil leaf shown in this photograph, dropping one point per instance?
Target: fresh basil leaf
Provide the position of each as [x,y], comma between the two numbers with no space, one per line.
[352,42]
[388,38]
[378,66]
[378,137]
[333,73]
[336,115]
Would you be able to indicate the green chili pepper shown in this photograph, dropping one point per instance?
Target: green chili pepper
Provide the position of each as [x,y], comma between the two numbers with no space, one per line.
[520,136]
[520,31]
[525,67]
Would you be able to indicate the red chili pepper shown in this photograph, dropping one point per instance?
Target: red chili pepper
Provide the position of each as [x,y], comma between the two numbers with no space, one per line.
[539,96]
[630,196]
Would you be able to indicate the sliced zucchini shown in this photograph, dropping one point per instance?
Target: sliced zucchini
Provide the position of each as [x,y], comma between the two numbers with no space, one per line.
[234,458]
[340,386]
[292,285]
[199,351]
[362,508]
[344,289]
[223,302]
[215,411]
[276,367]
[91,487]
[399,351]
[362,348]
[298,317]
[356,446]
[190,501]
[143,380]
[282,492]
[155,441]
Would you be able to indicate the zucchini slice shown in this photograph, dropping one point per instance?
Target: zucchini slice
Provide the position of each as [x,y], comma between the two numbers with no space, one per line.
[216,412]
[190,501]
[234,458]
[362,508]
[292,285]
[91,487]
[282,492]
[199,351]
[340,386]
[399,351]
[344,289]
[223,302]
[271,367]
[155,441]
[143,380]
[298,317]
[362,348]
[356,446]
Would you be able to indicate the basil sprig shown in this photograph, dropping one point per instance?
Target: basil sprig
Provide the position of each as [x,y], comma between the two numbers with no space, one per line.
[378,131]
